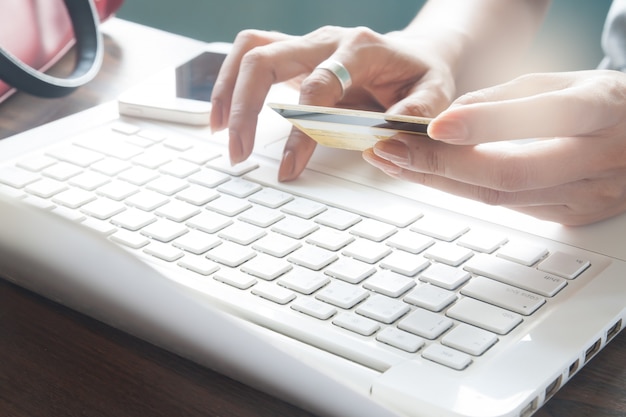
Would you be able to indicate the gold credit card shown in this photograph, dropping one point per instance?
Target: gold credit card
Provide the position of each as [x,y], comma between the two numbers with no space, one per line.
[349,129]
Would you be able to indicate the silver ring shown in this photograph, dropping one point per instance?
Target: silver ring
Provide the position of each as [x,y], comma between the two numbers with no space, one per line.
[339,71]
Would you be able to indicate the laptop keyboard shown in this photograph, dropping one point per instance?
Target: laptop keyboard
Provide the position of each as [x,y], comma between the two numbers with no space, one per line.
[377,289]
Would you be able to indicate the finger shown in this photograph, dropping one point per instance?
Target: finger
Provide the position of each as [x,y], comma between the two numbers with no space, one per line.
[259,69]
[572,111]
[575,203]
[225,83]
[429,96]
[503,167]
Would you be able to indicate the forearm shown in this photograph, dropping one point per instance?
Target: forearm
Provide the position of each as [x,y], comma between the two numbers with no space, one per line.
[480,40]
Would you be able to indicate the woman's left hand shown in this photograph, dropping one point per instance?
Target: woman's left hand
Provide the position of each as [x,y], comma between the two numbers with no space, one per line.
[573,172]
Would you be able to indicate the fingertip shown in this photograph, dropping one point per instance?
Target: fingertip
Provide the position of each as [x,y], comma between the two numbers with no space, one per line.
[448,129]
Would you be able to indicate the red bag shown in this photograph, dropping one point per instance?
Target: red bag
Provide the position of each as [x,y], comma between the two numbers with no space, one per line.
[35,34]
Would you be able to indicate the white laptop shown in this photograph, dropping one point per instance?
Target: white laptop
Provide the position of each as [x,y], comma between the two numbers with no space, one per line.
[344,292]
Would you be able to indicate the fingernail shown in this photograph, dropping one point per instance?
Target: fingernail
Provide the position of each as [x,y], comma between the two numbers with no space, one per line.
[393,150]
[448,130]
[287,167]
[235,148]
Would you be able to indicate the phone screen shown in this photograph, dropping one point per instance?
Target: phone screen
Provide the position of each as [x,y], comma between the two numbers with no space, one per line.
[195,78]
[179,94]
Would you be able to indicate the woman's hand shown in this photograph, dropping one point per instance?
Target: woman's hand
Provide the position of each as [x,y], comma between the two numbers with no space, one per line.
[573,172]
[394,73]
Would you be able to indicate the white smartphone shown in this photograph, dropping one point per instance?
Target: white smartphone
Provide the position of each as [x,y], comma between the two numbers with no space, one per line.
[181,94]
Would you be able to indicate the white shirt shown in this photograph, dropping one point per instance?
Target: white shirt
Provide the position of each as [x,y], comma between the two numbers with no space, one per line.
[614,37]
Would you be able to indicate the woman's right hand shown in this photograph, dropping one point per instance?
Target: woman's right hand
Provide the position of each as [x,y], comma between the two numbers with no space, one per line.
[394,73]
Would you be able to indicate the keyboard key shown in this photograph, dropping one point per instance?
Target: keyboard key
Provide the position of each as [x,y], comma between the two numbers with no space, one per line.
[164,230]
[199,155]
[366,250]
[564,265]
[239,188]
[261,216]
[503,295]
[295,227]
[266,267]
[235,278]
[179,168]
[350,270]
[389,283]
[482,241]
[103,208]
[89,180]
[373,230]
[515,274]
[167,185]
[230,254]
[441,228]
[130,239]
[45,188]
[448,253]
[303,208]
[36,163]
[383,309]
[430,297]
[469,339]
[198,264]
[312,257]
[270,197]
[222,164]
[138,175]
[313,308]
[242,233]
[197,195]
[228,205]
[337,219]
[117,190]
[410,241]
[400,339]
[303,280]
[447,356]
[75,155]
[133,219]
[177,211]
[162,251]
[404,263]
[445,276]
[111,166]
[342,294]
[146,200]
[209,178]
[276,245]
[523,253]
[17,177]
[62,171]
[273,293]
[356,323]
[209,222]
[152,160]
[425,323]
[330,239]
[196,242]
[485,316]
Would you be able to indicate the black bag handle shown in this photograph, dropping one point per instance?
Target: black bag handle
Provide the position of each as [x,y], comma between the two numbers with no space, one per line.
[89,53]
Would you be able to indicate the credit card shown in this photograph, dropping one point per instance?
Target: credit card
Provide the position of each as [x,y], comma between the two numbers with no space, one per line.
[349,129]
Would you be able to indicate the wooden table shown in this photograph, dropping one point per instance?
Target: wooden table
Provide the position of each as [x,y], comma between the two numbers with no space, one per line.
[55,362]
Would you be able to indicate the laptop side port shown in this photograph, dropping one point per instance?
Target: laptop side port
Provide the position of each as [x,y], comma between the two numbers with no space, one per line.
[614,330]
[573,368]
[592,350]
[553,388]
[529,409]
